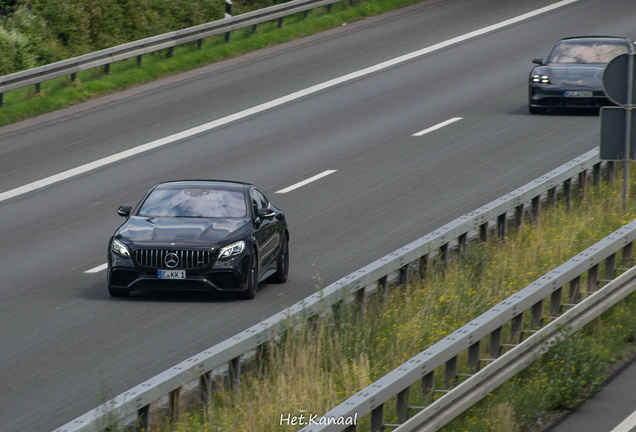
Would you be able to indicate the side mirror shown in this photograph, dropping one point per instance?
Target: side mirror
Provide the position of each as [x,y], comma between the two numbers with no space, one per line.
[538,60]
[265,213]
[124,211]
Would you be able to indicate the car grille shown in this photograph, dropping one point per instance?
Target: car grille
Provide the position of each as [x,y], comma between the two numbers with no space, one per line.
[155,258]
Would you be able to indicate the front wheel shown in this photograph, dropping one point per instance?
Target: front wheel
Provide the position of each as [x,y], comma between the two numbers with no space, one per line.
[536,110]
[252,280]
[282,263]
[116,292]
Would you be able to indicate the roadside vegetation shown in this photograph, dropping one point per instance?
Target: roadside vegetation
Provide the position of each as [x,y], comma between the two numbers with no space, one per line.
[38,32]
[315,368]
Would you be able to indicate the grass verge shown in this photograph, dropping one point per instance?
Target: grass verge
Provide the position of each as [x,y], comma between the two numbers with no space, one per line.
[315,368]
[60,93]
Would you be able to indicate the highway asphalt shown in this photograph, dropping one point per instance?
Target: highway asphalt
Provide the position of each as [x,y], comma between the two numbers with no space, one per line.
[65,345]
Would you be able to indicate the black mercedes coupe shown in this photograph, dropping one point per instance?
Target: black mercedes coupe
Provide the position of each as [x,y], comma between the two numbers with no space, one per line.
[199,235]
[572,75]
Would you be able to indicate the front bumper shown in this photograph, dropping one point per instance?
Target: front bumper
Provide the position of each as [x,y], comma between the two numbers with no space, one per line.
[551,97]
[222,276]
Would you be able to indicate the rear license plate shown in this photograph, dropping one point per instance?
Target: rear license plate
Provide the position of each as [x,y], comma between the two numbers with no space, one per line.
[172,274]
[583,94]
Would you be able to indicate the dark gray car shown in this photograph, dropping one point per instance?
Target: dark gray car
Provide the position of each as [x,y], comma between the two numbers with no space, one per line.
[572,75]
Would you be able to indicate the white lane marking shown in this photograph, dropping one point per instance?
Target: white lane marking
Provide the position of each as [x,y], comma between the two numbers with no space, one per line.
[627,424]
[304,182]
[438,126]
[275,103]
[97,269]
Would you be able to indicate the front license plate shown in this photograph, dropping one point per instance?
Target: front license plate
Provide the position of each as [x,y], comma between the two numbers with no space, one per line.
[583,94]
[172,274]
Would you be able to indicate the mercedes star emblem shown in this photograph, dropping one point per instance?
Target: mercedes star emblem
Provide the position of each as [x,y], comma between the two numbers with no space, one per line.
[171,260]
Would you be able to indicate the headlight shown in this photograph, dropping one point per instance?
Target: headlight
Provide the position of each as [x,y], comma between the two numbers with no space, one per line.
[543,79]
[120,249]
[231,250]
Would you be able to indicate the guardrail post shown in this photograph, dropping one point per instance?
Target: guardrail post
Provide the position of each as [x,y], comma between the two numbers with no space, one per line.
[383,288]
[495,343]
[107,68]
[404,276]
[402,410]
[377,418]
[537,314]
[1,97]
[329,8]
[462,240]
[516,329]
[205,381]
[143,418]
[37,88]
[428,385]
[519,215]
[592,278]
[567,192]
[610,266]
[169,53]
[483,232]
[628,254]
[443,254]
[536,207]
[305,14]
[575,290]
[501,226]
[234,374]
[450,372]
[423,266]
[555,302]
[583,184]
[352,428]
[552,198]
[199,44]
[474,352]
[611,172]
[174,405]
[73,77]
[596,174]
[280,22]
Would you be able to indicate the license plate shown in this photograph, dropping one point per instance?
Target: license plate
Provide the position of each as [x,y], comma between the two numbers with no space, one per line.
[172,274]
[583,94]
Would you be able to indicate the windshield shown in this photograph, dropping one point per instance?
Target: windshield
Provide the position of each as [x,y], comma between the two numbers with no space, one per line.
[586,52]
[194,202]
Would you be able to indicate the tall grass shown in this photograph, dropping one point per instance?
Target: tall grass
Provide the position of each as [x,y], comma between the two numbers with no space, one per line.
[315,368]
[60,93]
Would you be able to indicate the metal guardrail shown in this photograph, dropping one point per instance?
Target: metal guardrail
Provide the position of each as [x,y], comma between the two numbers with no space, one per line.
[445,353]
[105,57]
[196,371]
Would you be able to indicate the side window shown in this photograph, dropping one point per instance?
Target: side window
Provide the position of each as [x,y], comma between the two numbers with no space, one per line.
[259,198]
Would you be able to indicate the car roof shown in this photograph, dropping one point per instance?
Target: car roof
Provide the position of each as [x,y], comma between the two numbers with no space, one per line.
[592,38]
[223,184]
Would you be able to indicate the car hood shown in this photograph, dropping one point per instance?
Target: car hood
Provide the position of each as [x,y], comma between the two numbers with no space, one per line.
[588,76]
[182,231]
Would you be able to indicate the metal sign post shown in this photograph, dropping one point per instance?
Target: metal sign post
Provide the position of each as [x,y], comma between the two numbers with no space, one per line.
[618,84]
[628,127]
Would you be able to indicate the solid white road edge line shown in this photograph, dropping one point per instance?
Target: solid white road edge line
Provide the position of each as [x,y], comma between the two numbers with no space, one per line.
[438,126]
[97,269]
[627,424]
[304,182]
[275,103]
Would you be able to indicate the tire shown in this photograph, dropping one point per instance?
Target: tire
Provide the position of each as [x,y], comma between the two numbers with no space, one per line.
[116,292]
[252,280]
[536,110]
[282,263]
